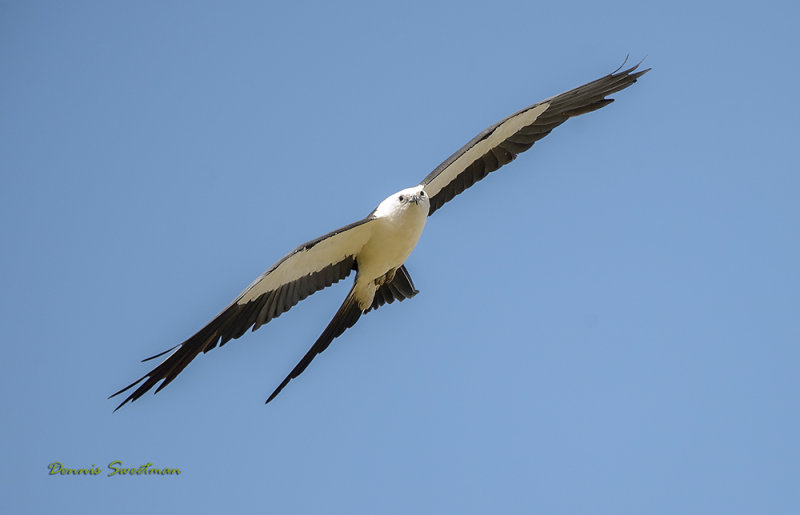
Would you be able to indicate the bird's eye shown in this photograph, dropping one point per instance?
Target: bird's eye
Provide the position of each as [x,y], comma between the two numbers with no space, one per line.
[401,198]
[421,193]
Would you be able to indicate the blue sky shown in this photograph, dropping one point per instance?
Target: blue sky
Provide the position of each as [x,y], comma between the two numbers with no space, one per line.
[607,325]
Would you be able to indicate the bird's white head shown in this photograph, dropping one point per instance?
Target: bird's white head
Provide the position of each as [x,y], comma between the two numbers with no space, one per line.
[413,198]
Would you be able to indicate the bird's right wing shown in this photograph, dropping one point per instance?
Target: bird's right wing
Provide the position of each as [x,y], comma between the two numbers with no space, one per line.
[307,269]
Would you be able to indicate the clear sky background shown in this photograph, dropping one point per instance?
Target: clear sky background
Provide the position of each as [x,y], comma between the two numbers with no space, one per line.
[607,325]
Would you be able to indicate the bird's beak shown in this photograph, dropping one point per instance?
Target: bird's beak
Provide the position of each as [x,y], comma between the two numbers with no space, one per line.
[414,199]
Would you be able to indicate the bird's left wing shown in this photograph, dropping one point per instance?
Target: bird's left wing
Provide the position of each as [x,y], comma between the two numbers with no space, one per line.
[500,143]
[307,269]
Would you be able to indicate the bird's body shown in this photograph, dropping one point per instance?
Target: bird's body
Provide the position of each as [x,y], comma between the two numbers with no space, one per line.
[378,246]
[394,234]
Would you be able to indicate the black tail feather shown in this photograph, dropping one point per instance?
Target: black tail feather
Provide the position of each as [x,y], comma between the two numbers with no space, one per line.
[400,288]
[346,317]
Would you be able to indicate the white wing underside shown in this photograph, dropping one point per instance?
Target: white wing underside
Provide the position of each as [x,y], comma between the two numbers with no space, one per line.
[508,128]
[306,260]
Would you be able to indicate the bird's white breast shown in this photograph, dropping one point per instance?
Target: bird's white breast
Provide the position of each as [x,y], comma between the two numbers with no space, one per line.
[392,239]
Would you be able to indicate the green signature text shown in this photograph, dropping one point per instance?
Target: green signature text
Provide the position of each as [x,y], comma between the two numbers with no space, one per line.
[115,468]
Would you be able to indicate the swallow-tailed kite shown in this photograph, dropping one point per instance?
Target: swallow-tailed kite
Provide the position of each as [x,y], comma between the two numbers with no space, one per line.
[377,246]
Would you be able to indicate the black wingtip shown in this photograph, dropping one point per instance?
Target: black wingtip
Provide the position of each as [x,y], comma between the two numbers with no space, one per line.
[161,353]
[121,404]
[635,66]
[623,64]
[127,387]
[629,72]
[128,398]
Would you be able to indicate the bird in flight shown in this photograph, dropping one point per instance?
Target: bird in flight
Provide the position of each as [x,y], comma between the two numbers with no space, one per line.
[377,246]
